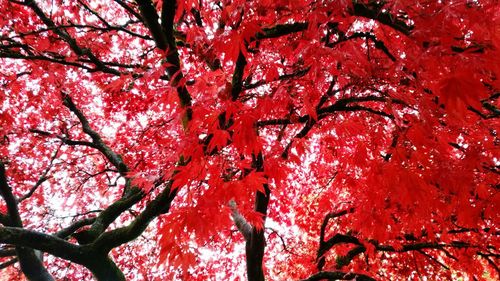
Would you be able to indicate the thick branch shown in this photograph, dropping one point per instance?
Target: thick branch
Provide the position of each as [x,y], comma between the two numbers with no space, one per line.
[4,219]
[107,216]
[164,37]
[8,263]
[330,216]
[119,236]
[237,80]
[241,223]
[105,269]
[65,232]
[43,242]
[31,265]
[281,30]
[10,201]
[150,17]
[255,246]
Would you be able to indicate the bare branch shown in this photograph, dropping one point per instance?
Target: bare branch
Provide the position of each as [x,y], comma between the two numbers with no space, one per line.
[295,74]
[128,9]
[8,263]
[433,259]
[42,178]
[65,232]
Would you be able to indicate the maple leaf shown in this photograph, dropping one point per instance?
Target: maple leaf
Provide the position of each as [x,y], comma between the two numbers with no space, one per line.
[255,181]
[272,73]
[256,219]
[219,139]
[143,181]
[245,137]
[460,90]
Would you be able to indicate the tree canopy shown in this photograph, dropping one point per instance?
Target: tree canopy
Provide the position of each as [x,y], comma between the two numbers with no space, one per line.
[252,140]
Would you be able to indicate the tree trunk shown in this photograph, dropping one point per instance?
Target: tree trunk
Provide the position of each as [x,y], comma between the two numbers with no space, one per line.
[32,266]
[255,245]
[105,269]
[254,255]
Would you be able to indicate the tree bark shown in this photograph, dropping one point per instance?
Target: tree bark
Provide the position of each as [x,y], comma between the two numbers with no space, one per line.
[255,245]
[105,269]
[31,265]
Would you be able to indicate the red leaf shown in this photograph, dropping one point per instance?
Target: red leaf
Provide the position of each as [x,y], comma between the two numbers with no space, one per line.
[310,109]
[256,181]
[256,219]
[219,139]
[461,89]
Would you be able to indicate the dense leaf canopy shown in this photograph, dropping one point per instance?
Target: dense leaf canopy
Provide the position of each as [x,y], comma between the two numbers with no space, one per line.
[279,140]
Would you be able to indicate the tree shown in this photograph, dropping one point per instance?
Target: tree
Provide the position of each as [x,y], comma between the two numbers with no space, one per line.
[287,140]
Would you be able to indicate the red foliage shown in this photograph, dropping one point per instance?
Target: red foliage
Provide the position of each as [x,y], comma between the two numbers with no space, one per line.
[353,137]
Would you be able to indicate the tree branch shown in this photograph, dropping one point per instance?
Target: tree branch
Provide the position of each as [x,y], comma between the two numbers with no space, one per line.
[4,219]
[42,178]
[65,232]
[281,30]
[490,262]
[68,39]
[254,247]
[119,236]
[31,265]
[16,55]
[132,194]
[241,223]
[164,37]
[325,246]
[150,17]
[108,215]
[295,74]
[237,79]
[43,242]
[64,139]
[374,10]
[8,263]
[7,252]
[378,44]
[113,157]
[129,9]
